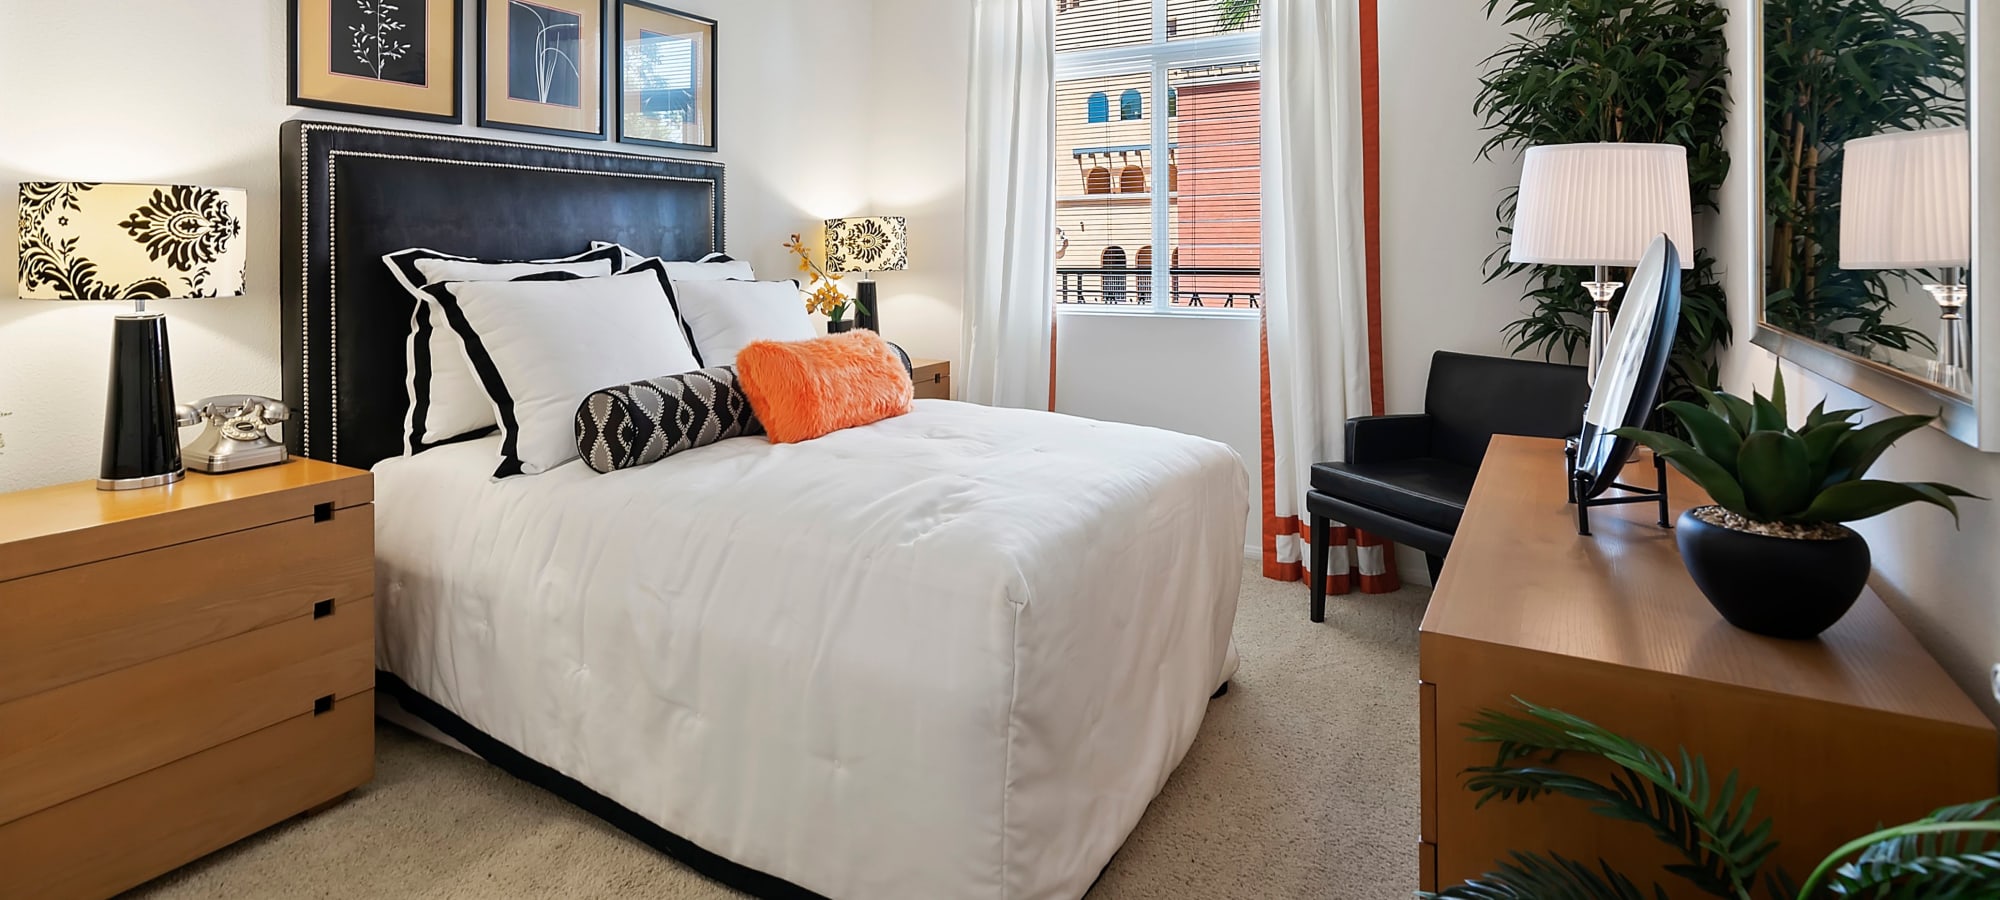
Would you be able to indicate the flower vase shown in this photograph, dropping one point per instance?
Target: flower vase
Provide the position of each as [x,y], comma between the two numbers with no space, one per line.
[839,326]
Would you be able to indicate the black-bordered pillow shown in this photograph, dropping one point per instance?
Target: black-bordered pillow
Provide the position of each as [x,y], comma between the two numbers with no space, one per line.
[647,421]
[446,400]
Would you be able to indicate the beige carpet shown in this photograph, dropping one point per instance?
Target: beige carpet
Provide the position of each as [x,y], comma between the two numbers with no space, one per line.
[1303,783]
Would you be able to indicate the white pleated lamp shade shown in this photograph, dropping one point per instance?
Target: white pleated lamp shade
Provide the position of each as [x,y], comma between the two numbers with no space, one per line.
[1906,201]
[1602,204]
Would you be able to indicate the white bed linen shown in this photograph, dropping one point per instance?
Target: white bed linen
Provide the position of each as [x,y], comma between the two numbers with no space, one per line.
[952,654]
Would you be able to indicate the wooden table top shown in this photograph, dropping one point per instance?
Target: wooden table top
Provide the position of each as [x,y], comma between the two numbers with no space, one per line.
[1519,575]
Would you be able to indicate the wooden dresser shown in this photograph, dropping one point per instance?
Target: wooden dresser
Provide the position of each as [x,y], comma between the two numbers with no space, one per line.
[180,667]
[1857,728]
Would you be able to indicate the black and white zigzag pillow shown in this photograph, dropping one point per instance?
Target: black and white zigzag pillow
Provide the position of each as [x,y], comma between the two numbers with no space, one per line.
[647,421]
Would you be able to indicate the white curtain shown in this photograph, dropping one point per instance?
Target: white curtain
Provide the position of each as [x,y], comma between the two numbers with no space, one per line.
[1010,205]
[1315,285]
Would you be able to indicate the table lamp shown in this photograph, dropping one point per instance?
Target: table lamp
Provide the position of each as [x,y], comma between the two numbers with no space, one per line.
[867,244]
[99,241]
[1906,203]
[1601,205]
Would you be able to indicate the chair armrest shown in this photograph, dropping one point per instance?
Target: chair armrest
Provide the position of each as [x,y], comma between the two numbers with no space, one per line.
[1373,439]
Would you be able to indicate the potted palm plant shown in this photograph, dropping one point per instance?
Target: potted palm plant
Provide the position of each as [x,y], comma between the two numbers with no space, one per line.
[1711,823]
[1771,553]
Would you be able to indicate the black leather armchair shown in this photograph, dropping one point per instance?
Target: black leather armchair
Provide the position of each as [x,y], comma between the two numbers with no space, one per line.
[1406,478]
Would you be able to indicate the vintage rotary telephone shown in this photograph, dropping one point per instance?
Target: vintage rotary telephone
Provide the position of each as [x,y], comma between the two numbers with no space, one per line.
[237,436]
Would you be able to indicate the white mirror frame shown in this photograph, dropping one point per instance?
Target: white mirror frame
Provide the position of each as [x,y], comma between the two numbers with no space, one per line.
[1975,421]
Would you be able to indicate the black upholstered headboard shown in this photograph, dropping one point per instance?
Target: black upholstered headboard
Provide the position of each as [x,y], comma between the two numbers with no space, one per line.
[353,193]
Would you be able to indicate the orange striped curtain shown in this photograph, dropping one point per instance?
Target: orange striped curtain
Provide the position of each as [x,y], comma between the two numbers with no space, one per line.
[1358,560]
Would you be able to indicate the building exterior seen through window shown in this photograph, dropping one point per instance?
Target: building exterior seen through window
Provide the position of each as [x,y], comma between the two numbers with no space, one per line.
[1157,215]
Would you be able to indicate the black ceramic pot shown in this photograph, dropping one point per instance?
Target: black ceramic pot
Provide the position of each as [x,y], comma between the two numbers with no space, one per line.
[1778,587]
[842,326]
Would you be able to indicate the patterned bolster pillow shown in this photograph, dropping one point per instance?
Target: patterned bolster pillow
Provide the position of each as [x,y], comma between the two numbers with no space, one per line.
[647,421]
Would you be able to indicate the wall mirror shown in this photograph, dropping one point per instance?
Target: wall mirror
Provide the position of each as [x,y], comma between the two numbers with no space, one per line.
[1876,202]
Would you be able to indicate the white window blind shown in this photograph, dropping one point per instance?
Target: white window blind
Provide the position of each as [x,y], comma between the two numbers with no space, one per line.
[1157,149]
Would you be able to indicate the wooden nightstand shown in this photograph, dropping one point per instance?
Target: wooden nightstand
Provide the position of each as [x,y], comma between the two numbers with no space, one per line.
[933,377]
[180,667]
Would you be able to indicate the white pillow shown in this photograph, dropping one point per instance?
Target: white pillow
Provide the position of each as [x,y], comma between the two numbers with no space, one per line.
[541,347]
[725,316]
[446,400]
[713,267]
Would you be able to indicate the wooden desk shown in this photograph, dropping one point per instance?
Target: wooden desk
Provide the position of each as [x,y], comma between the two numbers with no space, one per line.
[1857,728]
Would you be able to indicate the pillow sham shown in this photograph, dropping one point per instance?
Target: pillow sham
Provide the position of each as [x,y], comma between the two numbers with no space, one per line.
[540,347]
[646,421]
[446,399]
[725,316]
[712,267]
[806,389]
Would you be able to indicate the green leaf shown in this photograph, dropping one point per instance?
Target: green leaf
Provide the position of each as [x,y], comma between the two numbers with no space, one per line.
[1531,876]
[1821,440]
[1855,455]
[1852,501]
[1951,853]
[1765,415]
[1739,411]
[1776,475]
[1721,486]
[1712,434]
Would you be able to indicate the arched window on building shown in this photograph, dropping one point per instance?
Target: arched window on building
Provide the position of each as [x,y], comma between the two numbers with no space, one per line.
[1114,282]
[1143,261]
[1132,180]
[1131,106]
[1097,181]
[1097,108]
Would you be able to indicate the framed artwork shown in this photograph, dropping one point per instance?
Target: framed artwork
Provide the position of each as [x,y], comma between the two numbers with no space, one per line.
[541,66]
[385,57]
[666,77]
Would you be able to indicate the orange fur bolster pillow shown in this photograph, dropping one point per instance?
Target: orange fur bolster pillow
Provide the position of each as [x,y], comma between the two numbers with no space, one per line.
[801,390]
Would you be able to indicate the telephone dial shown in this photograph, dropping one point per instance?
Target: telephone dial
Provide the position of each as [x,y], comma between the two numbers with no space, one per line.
[237,436]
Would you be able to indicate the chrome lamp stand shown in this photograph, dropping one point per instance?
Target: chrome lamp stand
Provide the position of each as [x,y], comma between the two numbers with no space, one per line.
[1953,366]
[1601,292]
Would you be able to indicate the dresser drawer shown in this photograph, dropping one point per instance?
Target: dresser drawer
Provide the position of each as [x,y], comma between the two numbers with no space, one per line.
[115,838]
[70,624]
[82,736]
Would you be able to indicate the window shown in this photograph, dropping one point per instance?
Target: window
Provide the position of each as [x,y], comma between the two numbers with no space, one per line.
[1131,106]
[1099,108]
[1187,182]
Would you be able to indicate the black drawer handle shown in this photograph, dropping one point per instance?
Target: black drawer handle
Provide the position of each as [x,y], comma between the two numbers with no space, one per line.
[323,512]
[322,609]
[323,705]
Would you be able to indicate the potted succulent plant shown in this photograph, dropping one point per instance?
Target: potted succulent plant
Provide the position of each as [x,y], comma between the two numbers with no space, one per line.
[1771,554]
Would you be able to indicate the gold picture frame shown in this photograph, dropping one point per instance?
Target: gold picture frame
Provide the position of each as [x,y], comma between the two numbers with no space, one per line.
[666,77]
[382,57]
[541,66]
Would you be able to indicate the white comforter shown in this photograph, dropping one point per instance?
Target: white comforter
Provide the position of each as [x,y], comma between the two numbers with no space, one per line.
[953,654]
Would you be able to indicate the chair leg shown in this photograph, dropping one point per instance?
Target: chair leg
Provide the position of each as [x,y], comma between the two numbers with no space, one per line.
[1316,574]
[1436,565]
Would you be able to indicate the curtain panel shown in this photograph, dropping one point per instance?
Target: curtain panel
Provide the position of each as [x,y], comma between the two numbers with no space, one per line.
[1321,337]
[1009,315]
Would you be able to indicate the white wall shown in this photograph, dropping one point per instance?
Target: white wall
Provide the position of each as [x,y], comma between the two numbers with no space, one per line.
[98,100]
[1437,198]
[1193,374]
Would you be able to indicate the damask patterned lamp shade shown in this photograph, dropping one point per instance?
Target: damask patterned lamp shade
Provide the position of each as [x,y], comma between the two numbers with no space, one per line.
[867,244]
[97,241]
[93,241]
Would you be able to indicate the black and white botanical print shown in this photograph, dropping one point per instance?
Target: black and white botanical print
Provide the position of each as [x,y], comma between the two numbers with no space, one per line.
[379,39]
[543,49]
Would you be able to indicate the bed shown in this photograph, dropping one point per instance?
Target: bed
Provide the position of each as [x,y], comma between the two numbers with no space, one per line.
[951,654]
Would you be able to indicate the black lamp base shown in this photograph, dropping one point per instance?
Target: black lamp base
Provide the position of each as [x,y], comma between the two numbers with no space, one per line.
[867,314]
[142,445]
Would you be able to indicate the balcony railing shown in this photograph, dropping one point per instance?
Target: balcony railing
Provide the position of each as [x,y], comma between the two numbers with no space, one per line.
[1191,286]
